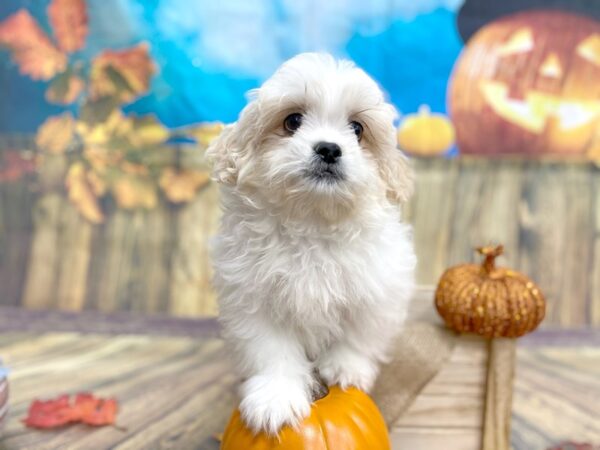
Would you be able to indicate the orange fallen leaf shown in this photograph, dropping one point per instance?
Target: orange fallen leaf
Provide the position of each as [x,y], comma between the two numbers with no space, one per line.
[124,74]
[81,193]
[50,413]
[95,411]
[31,48]
[181,186]
[56,133]
[86,408]
[70,23]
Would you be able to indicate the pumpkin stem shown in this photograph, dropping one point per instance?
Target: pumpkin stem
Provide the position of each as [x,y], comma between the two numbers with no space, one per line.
[491,253]
[424,110]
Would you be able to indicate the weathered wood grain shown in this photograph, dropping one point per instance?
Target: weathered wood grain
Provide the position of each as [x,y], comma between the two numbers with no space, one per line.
[434,185]
[15,238]
[556,238]
[190,288]
[44,256]
[173,392]
[557,394]
[546,213]
[594,278]
[498,393]
[73,247]
[177,391]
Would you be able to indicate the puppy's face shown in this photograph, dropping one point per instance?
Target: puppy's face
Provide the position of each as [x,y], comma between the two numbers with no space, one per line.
[317,132]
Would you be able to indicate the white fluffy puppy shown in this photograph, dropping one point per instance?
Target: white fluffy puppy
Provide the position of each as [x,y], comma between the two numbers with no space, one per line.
[313,267]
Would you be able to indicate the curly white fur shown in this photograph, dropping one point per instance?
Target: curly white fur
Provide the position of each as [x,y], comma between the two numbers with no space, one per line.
[311,274]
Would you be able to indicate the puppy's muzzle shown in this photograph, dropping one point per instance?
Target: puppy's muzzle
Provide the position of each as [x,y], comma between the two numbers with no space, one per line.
[329,152]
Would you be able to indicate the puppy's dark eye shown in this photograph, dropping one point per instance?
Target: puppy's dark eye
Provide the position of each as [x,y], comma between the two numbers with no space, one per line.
[292,122]
[357,128]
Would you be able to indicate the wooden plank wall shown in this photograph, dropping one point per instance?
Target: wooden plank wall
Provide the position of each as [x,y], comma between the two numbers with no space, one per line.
[547,215]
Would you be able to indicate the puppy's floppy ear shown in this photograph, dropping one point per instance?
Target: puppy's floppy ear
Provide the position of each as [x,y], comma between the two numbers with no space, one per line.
[397,173]
[222,154]
[394,168]
[231,149]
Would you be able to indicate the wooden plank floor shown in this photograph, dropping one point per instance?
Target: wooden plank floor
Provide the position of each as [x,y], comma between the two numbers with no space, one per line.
[176,391]
[173,392]
[452,401]
[557,389]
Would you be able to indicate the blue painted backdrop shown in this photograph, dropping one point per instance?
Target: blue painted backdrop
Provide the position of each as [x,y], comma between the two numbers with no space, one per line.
[211,52]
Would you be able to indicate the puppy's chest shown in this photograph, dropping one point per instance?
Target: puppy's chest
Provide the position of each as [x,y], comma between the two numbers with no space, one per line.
[318,281]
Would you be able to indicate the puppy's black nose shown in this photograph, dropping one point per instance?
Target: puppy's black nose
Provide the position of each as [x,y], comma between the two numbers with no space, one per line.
[329,152]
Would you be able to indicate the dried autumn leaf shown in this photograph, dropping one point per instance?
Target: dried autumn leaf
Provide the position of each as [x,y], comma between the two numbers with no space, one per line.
[206,132]
[65,88]
[31,48]
[101,132]
[70,23]
[134,192]
[181,186]
[123,74]
[82,195]
[50,413]
[96,182]
[95,411]
[61,411]
[56,133]
[101,159]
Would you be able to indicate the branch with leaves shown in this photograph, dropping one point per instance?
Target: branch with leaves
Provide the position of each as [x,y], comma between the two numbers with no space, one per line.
[110,153]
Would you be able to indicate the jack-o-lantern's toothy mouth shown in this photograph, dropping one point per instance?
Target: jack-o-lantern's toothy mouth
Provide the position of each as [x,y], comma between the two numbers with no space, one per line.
[536,108]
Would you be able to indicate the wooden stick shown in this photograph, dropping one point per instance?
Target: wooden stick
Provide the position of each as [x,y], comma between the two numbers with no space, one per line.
[498,401]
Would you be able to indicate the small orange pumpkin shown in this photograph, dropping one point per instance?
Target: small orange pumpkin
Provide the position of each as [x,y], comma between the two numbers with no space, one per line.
[426,133]
[341,420]
[487,300]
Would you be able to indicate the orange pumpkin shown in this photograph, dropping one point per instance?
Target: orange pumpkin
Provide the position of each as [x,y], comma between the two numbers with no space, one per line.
[426,134]
[529,83]
[341,420]
[488,300]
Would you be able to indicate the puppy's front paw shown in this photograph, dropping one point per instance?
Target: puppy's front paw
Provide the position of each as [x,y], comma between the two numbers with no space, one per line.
[345,367]
[268,403]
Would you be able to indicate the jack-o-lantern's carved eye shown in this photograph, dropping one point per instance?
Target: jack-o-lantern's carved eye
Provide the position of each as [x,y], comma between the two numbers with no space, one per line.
[521,41]
[589,49]
[551,66]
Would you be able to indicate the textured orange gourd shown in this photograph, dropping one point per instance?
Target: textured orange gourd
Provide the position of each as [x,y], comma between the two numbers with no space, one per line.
[341,420]
[487,300]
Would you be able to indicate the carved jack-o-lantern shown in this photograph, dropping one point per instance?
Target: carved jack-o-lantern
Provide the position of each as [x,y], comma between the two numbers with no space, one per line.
[529,83]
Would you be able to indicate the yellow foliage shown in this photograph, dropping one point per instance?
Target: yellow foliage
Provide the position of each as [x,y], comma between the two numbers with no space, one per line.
[81,193]
[56,134]
[134,192]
